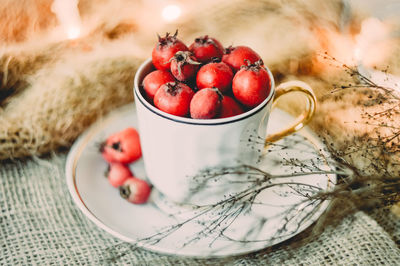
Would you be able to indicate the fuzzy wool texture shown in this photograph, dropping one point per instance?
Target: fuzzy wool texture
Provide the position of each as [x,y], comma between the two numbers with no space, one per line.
[52,89]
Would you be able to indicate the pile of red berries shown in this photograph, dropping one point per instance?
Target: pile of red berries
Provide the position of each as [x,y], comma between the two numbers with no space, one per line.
[205,80]
[119,150]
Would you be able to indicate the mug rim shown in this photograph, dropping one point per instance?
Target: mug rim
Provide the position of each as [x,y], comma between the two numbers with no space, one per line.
[193,121]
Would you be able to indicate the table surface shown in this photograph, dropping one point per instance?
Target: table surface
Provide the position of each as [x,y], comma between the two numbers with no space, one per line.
[39,223]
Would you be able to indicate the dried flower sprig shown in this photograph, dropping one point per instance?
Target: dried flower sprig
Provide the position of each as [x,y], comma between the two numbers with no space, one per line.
[375,184]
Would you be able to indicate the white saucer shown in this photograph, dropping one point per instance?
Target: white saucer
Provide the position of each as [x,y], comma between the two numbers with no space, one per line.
[102,204]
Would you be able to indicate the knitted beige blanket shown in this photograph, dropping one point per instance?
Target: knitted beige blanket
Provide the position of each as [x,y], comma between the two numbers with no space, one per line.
[52,89]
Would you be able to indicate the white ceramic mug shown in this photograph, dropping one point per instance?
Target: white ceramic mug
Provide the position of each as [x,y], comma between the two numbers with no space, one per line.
[175,149]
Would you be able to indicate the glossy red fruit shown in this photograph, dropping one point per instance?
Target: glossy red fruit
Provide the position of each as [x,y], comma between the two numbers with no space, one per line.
[165,49]
[206,48]
[230,107]
[153,81]
[184,66]
[235,56]
[135,190]
[206,104]
[174,98]
[218,75]
[122,147]
[118,173]
[251,85]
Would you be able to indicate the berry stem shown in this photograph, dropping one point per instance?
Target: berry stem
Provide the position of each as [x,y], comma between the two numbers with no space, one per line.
[107,171]
[220,95]
[168,39]
[124,191]
[229,49]
[253,67]
[117,146]
[202,40]
[172,88]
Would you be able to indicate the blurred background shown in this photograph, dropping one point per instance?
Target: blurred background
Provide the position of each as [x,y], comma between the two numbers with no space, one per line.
[66,63]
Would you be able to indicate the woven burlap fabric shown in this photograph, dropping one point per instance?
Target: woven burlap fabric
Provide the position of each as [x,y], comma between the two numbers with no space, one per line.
[40,224]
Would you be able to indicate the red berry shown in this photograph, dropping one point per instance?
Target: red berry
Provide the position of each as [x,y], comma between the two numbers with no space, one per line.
[184,65]
[229,107]
[153,81]
[206,48]
[235,56]
[252,84]
[174,98]
[206,103]
[218,75]
[122,147]
[135,190]
[118,173]
[165,49]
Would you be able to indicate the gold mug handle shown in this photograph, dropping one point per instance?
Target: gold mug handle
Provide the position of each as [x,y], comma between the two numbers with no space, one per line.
[303,118]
